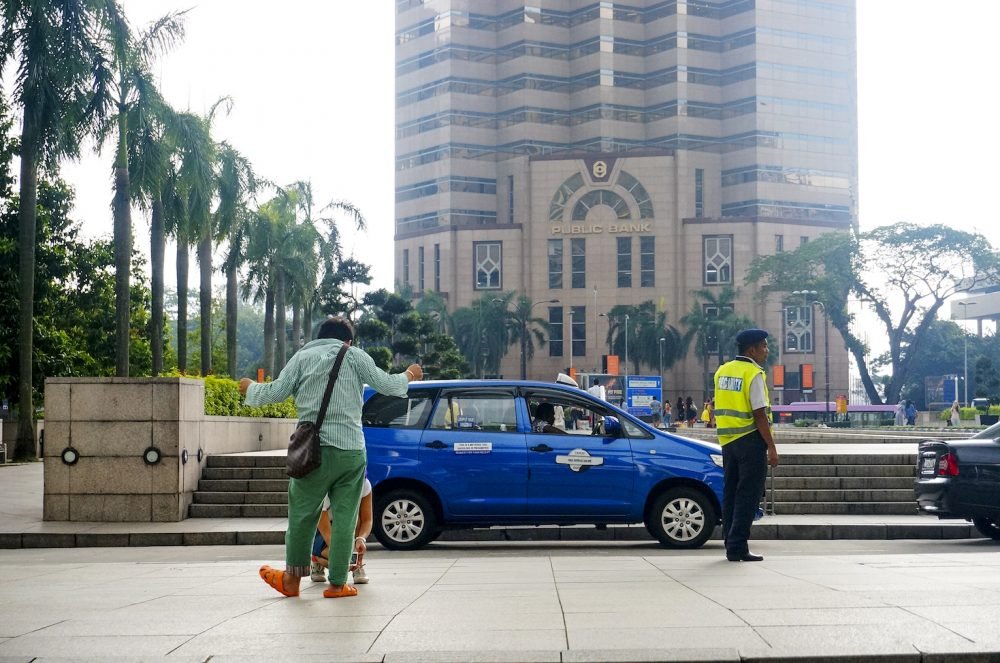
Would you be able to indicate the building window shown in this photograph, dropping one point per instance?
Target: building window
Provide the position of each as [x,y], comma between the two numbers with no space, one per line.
[437,268]
[555,331]
[555,263]
[803,240]
[624,262]
[578,330]
[489,265]
[647,262]
[779,243]
[420,269]
[699,192]
[578,262]
[406,267]
[510,199]
[718,251]
[798,329]
[711,336]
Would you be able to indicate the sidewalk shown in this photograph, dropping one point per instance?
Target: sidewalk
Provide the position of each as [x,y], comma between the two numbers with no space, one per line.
[21,524]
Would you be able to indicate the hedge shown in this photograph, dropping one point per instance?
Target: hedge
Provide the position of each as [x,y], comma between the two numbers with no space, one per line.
[223,399]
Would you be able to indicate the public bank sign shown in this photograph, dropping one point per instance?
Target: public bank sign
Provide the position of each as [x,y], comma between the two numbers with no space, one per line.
[597,228]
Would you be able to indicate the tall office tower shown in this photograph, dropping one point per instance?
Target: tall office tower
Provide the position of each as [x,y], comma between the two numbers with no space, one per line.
[605,153]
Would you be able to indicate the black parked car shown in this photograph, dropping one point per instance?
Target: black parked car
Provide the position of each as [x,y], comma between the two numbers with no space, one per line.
[961,479]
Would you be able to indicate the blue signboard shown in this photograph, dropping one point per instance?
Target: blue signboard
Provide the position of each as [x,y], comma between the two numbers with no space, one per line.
[640,390]
[949,387]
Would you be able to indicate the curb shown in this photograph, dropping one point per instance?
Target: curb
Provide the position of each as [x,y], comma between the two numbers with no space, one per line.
[761,532]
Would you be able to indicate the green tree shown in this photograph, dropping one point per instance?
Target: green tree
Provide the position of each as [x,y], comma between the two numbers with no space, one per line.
[527,330]
[906,272]
[713,324]
[237,185]
[987,380]
[133,98]
[61,75]
[645,326]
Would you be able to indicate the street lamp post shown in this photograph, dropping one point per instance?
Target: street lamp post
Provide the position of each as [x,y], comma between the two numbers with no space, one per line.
[659,346]
[571,341]
[626,347]
[524,336]
[965,316]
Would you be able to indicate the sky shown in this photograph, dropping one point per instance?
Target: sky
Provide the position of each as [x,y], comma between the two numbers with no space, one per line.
[313,88]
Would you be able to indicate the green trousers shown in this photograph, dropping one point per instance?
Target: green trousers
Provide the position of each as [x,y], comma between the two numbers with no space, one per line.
[341,476]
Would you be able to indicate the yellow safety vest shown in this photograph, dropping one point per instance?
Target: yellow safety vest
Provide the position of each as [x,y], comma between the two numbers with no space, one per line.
[733,416]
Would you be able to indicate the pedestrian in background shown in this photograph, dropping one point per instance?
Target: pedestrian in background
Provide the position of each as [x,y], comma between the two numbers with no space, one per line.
[690,412]
[342,446]
[911,414]
[657,409]
[744,418]
[900,413]
[667,414]
[681,413]
[956,414]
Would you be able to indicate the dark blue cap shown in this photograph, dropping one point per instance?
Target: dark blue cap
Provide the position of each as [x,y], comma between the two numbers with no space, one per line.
[749,337]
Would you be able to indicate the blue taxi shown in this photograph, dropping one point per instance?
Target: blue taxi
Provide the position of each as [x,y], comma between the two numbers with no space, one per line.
[463,453]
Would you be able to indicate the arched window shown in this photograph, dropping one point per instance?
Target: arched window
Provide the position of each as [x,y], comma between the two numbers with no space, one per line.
[601,197]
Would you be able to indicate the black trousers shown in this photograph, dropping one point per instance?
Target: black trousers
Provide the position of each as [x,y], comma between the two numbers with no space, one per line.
[744,468]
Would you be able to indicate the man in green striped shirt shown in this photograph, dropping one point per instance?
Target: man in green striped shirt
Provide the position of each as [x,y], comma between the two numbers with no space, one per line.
[342,442]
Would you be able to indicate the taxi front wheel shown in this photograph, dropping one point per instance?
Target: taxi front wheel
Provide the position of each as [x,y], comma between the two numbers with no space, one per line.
[404,520]
[988,527]
[681,518]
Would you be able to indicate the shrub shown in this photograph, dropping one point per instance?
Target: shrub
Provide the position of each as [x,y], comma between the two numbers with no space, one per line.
[223,399]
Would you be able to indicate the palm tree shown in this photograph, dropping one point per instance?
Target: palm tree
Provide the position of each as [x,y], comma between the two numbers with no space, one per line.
[646,326]
[133,96]
[713,324]
[237,183]
[61,86]
[196,181]
[525,330]
[150,170]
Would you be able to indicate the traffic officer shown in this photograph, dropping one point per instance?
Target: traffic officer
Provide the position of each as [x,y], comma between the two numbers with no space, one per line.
[743,417]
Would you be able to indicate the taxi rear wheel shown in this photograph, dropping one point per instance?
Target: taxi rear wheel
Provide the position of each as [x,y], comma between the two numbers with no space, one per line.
[405,520]
[988,527]
[681,518]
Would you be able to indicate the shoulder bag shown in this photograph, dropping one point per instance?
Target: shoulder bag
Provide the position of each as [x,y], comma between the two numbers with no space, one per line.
[303,446]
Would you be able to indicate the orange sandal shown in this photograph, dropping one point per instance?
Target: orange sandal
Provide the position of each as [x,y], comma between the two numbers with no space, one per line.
[276,579]
[343,591]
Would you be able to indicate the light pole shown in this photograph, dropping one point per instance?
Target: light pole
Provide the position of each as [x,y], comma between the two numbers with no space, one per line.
[524,336]
[965,316]
[659,346]
[626,347]
[571,341]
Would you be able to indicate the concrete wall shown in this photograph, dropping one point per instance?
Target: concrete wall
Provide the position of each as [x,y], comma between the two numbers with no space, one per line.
[110,422]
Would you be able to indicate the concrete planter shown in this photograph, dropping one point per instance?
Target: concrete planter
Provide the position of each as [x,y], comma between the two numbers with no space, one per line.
[109,425]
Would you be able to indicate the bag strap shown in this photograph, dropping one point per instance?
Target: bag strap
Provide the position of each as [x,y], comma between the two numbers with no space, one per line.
[334,372]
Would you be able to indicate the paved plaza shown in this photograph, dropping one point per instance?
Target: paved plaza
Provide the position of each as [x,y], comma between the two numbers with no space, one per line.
[895,600]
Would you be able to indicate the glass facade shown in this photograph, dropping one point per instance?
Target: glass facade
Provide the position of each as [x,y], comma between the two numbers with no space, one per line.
[718,252]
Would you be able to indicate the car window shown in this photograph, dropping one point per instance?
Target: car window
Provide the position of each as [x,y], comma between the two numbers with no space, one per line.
[574,416]
[488,411]
[383,411]
[991,433]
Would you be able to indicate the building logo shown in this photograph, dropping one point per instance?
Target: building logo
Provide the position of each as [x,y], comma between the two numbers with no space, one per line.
[599,168]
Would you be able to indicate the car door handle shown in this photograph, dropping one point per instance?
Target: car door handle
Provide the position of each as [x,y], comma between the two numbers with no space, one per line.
[436,444]
[541,448]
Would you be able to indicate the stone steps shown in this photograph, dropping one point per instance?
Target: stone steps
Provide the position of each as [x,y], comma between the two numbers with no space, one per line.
[804,484]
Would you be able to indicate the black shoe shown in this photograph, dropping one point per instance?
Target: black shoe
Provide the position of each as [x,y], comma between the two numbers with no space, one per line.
[745,557]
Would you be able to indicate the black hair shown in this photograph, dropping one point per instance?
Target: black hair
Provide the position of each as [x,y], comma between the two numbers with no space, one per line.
[545,411]
[338,328]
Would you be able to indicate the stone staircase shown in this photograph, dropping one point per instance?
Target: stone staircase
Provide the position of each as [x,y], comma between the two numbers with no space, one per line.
[843,484]
[242,487]
[807,484]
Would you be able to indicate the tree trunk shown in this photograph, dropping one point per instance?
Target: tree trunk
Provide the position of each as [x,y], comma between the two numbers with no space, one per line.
[24,445]
[157,249]
[232,313]
[296,327]
[205,299]
[121,210]
[281,334]
[307,321]
[182,303]
[269,331]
